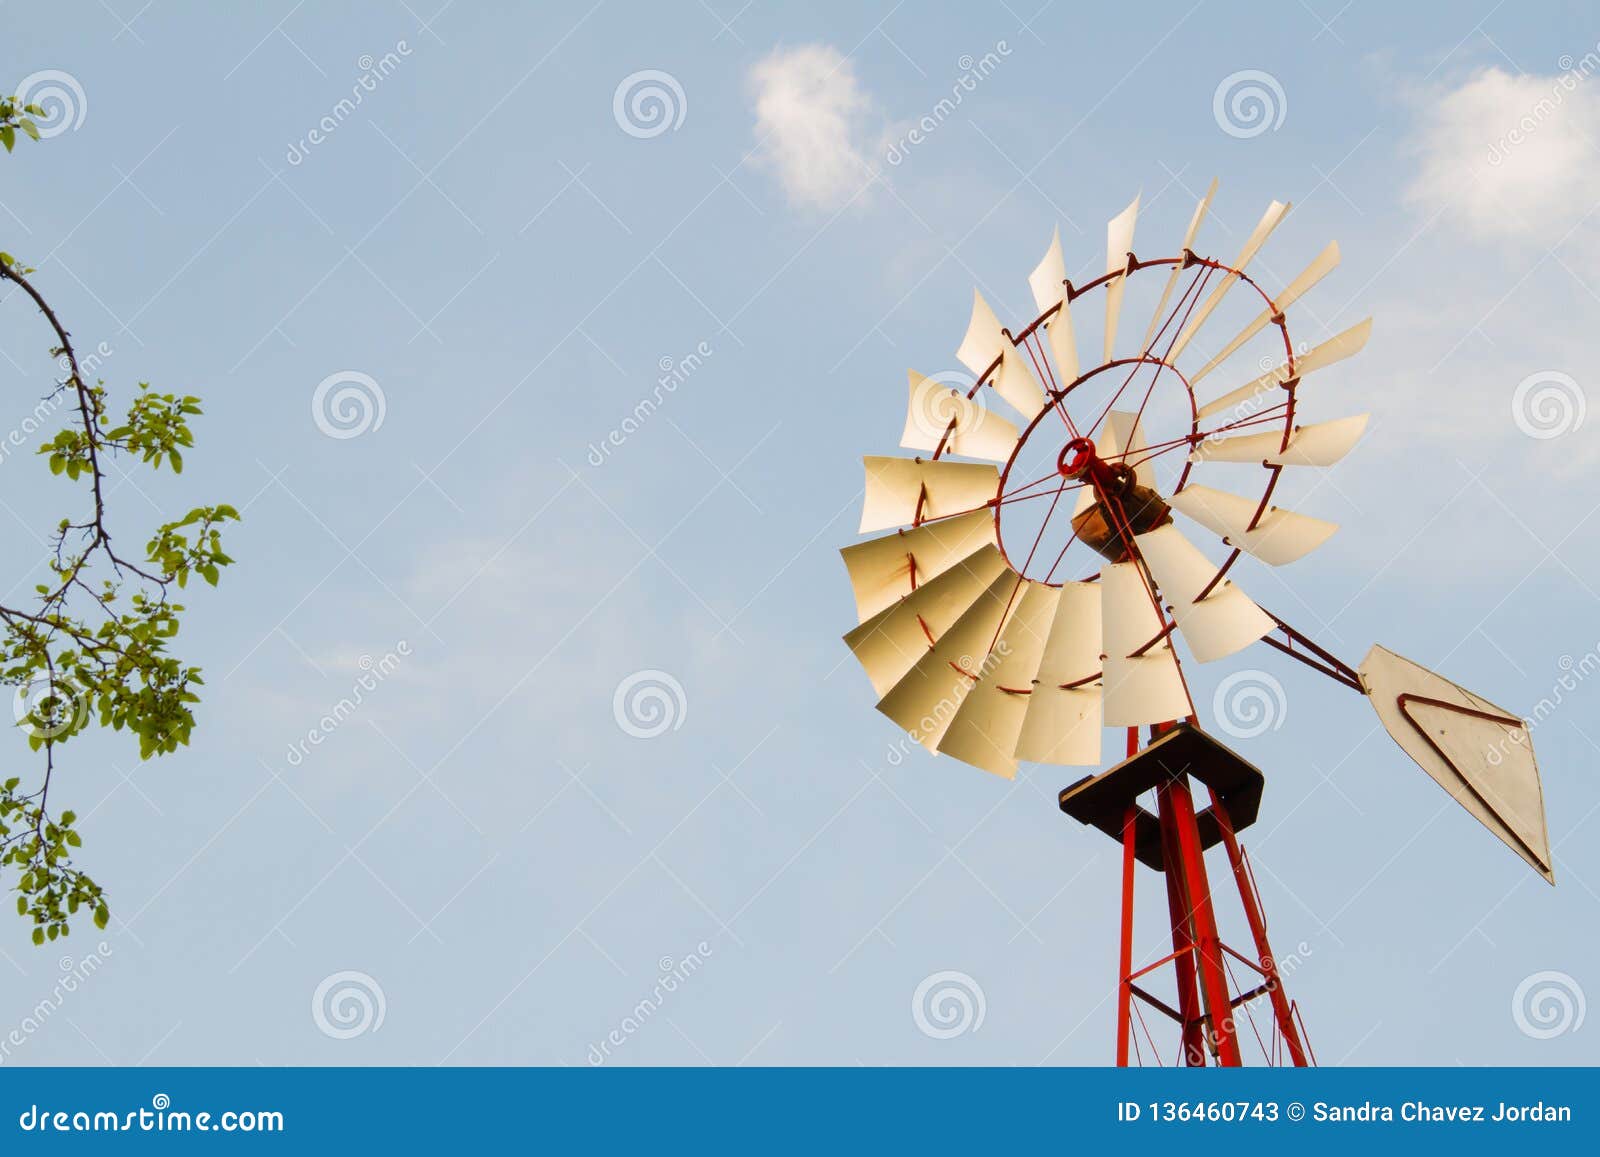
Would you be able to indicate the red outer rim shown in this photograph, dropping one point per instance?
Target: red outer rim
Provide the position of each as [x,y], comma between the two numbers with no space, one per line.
[1054,397]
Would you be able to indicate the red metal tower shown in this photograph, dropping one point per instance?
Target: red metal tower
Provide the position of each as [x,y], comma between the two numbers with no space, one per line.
[1173,841]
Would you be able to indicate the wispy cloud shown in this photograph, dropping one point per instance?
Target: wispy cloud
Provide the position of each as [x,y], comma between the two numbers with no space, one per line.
[1510,158]
[814,124]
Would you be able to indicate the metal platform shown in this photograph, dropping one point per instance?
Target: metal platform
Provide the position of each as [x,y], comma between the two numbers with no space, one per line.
[1102,800]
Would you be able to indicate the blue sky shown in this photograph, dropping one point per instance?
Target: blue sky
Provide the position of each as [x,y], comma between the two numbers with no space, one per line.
[510,268]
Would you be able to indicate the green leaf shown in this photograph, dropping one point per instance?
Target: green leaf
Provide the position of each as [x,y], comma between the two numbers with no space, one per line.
[102,916]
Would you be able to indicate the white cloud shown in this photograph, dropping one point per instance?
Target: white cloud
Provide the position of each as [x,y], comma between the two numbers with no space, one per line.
[813,124]
[1510,158]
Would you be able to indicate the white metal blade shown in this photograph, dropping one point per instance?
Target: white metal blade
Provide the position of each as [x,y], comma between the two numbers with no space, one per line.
[1335,349]
[1280,537]
[1147,688]
[927,698]
[1319,444]
[985,341]
[895,485]
[1225,620]
[1177,270]
[881,569]
[1119,243]
[1486,764]
[977,432]
[1048,282]
[985,730]
[1325,263]
[1063,726]
[890,643]
[1258,237]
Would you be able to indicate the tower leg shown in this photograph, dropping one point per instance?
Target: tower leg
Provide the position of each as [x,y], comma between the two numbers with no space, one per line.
[1258,933]
[1179,910]
[1208,944]
[1125,965]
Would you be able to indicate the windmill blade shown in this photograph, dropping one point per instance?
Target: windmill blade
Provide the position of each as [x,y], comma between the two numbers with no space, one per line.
[1279,537]
[890,643]
[1476,751]
[1325,263]
[985,341]
[1145,688]
[1319,444]
[1119,245]
[985,730]
[896,486]
[1258,237]
[885,570]
[1062,722]
[976,433]
[1120,436]
[926,700]
[1048,282]
[1216,626]
[1178,268]
[1335,349]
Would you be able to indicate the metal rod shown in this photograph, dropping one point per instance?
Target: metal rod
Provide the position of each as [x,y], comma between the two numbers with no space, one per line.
[1258,932]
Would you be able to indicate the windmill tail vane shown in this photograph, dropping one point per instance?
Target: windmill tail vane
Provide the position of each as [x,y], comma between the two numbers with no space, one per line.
[1038,559]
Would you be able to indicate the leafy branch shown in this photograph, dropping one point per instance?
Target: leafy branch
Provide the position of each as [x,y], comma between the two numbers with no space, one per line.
[92,648]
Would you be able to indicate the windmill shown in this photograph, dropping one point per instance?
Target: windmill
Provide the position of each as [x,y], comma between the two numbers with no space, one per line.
[1032,577]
